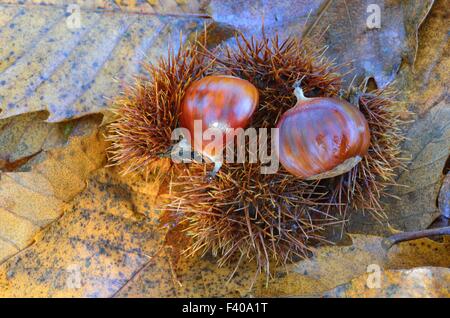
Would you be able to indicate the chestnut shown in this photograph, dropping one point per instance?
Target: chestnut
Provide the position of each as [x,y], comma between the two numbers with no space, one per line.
[221,102]
[321,137]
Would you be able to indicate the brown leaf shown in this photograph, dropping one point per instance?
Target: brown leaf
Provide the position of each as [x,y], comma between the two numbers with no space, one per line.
[25,136]
[32,199]
[330,267]
[424,89]
[374,52]
[337,265]
[69,71]
[49,63]
[339,25]
[113,250]
[283,17]
[93,249]
[108,241]
[429,282]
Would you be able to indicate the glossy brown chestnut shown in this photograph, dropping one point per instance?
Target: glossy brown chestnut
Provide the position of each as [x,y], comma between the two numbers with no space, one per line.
[218,101]
[321,137]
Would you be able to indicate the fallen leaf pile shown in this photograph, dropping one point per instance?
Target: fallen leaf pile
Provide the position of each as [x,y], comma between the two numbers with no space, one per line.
[72,227]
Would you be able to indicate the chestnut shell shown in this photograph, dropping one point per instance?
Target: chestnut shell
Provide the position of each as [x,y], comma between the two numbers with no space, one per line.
[321,138]
[219,101]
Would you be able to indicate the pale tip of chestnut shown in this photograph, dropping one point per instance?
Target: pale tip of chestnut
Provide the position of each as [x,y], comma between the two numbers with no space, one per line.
[298,90]
[344,167]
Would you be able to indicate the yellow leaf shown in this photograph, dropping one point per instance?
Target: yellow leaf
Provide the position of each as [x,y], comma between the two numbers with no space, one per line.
[30,200]
[93,249]
[70,61]
[428,282]
[331,266]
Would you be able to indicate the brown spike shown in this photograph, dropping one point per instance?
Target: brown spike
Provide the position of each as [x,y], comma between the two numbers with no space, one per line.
[243,214]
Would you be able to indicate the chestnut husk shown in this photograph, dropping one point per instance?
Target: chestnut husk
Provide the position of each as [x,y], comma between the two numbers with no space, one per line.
[243,214]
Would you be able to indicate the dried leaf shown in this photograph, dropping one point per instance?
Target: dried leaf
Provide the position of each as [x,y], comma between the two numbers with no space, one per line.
[25,136]
[429,282]
[92,250]
[330,267]
[339,25]
[51,62]
[106,240]
[373,52]
[116,251]
[337,265]
[283,17]
[424,89]
[30,200]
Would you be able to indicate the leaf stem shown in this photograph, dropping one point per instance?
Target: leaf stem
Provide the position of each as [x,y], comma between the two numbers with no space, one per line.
[409,236]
